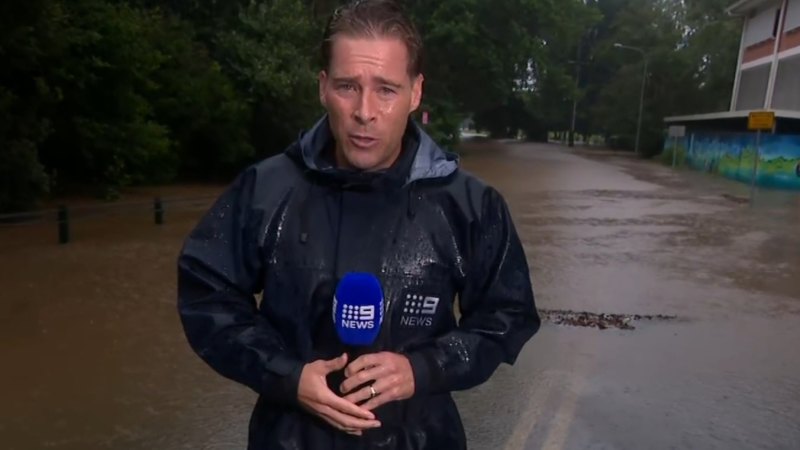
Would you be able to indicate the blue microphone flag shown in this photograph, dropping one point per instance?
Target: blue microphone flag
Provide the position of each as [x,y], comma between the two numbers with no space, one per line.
[358,308]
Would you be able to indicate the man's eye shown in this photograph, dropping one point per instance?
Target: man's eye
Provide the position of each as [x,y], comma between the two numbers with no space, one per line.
[387,91]
[347,87]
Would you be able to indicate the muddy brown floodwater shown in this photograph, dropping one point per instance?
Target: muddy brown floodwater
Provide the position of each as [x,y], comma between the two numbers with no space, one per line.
[93,356]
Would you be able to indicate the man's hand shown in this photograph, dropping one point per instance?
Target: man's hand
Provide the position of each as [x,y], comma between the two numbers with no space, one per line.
[389,374]
[314,395]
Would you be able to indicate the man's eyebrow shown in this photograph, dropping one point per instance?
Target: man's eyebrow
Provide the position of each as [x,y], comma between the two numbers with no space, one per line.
[345,79]
[391,83]
[379,80]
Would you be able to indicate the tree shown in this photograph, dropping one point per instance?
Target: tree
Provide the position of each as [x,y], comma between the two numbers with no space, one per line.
[541,85]
[29,32]
[691,49]
[270,55]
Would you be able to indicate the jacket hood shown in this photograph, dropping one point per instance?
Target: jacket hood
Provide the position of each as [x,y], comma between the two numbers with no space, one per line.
[430,161]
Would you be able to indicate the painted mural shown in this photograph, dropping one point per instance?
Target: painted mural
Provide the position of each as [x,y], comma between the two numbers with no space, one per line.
[733,155]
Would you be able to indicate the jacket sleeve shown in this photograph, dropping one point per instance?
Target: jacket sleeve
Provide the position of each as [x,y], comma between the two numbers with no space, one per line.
[498,313]
[219,273]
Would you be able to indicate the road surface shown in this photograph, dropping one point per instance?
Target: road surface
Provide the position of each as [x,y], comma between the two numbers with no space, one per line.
[610,234]
[94,357]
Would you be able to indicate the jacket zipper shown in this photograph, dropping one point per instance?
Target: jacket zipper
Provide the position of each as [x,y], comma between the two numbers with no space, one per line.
[338,236]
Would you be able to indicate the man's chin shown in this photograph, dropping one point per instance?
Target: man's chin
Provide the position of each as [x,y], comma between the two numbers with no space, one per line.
[363,160]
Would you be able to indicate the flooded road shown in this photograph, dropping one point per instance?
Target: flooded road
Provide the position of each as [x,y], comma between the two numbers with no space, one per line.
[93,355]
[609,234]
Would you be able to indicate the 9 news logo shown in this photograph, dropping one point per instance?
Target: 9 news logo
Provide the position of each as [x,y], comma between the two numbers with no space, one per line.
[360,317]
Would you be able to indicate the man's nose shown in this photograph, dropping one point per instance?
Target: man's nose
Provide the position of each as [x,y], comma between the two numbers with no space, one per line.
[366,110]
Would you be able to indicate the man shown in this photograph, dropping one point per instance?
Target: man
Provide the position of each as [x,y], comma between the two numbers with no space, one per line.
[365,190]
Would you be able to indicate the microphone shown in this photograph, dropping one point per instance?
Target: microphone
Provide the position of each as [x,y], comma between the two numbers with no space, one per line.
[358,309]
[357,317]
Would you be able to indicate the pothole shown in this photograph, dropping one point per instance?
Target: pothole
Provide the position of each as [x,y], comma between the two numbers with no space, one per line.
[601,321]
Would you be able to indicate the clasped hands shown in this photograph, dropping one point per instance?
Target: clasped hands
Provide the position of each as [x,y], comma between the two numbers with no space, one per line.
[382,377]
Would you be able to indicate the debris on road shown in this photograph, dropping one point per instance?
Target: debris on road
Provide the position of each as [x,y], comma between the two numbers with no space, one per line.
[736,198]
[600,321]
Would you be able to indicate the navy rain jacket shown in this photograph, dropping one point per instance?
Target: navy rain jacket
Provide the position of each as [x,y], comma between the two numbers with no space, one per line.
[290,226]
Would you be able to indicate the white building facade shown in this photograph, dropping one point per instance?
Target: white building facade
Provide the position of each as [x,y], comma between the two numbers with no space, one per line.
[768,69]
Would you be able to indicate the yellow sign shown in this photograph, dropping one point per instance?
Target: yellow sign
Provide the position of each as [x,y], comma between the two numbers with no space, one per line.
[761,120]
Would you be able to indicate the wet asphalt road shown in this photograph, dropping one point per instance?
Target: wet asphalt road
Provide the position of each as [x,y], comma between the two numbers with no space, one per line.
[613,235]
[93,356]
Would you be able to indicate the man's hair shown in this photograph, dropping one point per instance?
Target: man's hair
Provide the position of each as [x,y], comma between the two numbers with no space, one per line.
[374,19]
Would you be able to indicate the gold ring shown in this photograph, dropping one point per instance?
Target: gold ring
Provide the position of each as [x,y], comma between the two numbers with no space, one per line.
[372,392]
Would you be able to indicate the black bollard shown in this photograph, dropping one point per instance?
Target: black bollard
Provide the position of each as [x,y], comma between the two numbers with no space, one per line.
[63,225]
[158,208]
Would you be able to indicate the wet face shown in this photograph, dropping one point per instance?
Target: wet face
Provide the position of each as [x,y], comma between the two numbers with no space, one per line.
[369,95]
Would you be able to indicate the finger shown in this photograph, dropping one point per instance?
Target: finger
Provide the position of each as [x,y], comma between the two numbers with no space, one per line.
[378,400]
[337,403]
[359,395]
[365,376]
[339,426]
[362,363]
[336,364]
[348,422]
[381,386]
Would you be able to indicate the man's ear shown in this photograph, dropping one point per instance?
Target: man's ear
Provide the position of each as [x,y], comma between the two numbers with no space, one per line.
[323,88]
[416,92]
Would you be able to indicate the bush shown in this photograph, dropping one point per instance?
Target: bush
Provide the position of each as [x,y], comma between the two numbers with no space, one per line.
[22,177]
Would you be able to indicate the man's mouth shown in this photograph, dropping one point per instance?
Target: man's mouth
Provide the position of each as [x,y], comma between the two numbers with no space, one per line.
[362,141]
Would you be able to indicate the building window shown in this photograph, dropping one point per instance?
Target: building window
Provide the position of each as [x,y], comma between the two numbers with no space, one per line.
[753,88]
[791,20]
[763,26]
[787,85]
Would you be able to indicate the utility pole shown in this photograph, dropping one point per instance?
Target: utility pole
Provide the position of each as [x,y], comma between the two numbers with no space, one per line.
[575,96]
[641,96]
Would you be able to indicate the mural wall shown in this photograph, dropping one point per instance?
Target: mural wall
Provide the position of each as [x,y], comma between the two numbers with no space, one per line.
[733,155]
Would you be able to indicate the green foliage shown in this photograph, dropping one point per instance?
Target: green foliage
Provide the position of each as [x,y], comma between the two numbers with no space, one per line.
[207,117]
[540,84]
[27,31]
[444,122]
[108,94]
[691,48]
[269,54]
[22,178]
[105,126]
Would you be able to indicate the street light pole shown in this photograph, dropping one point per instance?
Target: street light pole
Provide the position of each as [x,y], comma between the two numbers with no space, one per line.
[641,106]
[571,142]
[641,96]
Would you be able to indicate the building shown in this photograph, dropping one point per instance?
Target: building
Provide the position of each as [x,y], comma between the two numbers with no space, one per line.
[768,72]
[767,78]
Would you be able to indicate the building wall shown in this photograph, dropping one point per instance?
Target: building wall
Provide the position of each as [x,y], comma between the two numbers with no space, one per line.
[733,155]
[790,40]
[760,33]
[758,51]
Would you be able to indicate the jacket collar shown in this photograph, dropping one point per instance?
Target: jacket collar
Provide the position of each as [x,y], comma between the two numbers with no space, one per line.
[421,157]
